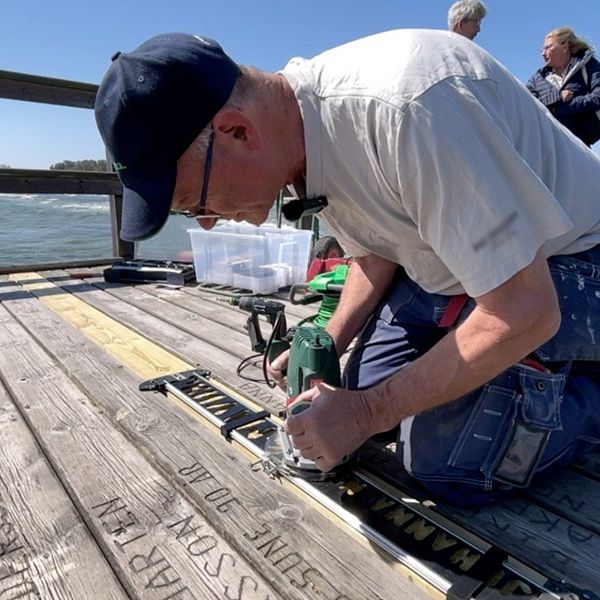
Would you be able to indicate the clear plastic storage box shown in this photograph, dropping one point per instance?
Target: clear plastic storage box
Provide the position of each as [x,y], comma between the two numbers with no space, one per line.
[262,259]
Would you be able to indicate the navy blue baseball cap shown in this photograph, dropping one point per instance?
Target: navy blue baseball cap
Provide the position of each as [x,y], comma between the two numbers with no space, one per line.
[151,105]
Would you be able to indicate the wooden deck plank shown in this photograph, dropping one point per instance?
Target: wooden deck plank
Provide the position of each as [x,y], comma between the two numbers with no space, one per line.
[531,532]
[590,465]
[36,559]
[302,552]
[195,299]
[294,311]
[570,495]
[143,525]
[203,307]
[216,325]
[225,329]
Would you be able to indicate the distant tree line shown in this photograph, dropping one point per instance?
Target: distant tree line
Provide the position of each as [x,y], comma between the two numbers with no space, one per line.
[89,164]
[2,166]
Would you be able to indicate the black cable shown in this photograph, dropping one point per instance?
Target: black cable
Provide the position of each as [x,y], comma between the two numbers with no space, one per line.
[272,384]
[245,363]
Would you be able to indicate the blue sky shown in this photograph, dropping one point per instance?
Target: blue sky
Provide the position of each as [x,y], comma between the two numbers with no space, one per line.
[74,39]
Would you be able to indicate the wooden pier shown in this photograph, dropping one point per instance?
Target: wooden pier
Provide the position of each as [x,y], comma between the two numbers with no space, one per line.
[108,492]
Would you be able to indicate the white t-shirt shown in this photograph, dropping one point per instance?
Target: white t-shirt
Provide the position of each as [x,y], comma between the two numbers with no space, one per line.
[433,156]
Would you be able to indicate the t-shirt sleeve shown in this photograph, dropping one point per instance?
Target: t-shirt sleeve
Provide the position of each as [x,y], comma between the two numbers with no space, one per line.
[350,247]
[479,206]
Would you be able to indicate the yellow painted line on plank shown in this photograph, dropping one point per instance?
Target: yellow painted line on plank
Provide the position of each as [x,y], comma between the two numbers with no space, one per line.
[140,355]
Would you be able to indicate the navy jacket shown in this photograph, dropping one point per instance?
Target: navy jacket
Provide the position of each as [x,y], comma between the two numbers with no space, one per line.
[579,114]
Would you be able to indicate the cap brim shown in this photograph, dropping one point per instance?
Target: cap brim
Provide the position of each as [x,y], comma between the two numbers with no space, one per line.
[146,207]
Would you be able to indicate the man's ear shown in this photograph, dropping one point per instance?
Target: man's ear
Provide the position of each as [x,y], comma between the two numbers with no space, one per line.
[232,126]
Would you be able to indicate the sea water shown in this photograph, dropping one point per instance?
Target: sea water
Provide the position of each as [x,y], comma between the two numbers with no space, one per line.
[40,228]
[44,228]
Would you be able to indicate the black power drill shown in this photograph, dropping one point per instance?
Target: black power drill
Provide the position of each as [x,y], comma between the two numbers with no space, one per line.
[274,312]
[313,356]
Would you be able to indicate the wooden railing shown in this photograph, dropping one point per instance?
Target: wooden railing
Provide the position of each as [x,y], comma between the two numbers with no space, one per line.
[46,90]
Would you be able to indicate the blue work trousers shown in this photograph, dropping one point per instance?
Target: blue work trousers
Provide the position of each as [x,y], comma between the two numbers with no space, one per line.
[518,425]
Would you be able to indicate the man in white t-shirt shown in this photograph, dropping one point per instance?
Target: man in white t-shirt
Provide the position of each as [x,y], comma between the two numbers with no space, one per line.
[473,218]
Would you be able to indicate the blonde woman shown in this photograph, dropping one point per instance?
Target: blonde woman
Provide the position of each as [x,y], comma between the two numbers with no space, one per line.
[569,83]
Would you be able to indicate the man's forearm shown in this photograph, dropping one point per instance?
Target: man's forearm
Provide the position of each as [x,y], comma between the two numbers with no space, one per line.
[368,278]
[505,326]
[462,361]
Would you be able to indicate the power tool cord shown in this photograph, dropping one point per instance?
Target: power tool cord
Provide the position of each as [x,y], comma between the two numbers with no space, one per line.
[247,362]
[270,383]
[326,310]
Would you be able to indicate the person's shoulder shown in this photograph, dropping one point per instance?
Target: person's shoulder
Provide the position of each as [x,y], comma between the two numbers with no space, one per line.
[396,41]
[594,62]
[540,74]
[590,68]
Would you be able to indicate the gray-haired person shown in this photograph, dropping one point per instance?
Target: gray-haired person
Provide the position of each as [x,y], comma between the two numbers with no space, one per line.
[465,16]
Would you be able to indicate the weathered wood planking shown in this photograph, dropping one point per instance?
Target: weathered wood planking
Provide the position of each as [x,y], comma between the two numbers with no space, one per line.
[300,550]
[544,536]
[148,360]
[200,313]
[575,501]
[180,343]
[219,325]
[142,524]
[294,311]
[590,465]
[222,332]
[38,181]
[204,305]
[571,495]
[37,559]
[49,90]
[6,269]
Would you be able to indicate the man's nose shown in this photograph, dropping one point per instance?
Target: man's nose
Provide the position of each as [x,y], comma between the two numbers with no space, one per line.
[207,223]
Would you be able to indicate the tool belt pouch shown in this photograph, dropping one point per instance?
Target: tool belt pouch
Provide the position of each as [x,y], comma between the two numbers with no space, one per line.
[536,415]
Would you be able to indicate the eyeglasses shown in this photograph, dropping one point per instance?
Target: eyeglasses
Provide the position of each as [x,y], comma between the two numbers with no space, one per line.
[200,212]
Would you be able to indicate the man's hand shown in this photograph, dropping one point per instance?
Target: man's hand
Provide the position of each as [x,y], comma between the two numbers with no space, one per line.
[566,95]
[275,369]
[337,423]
